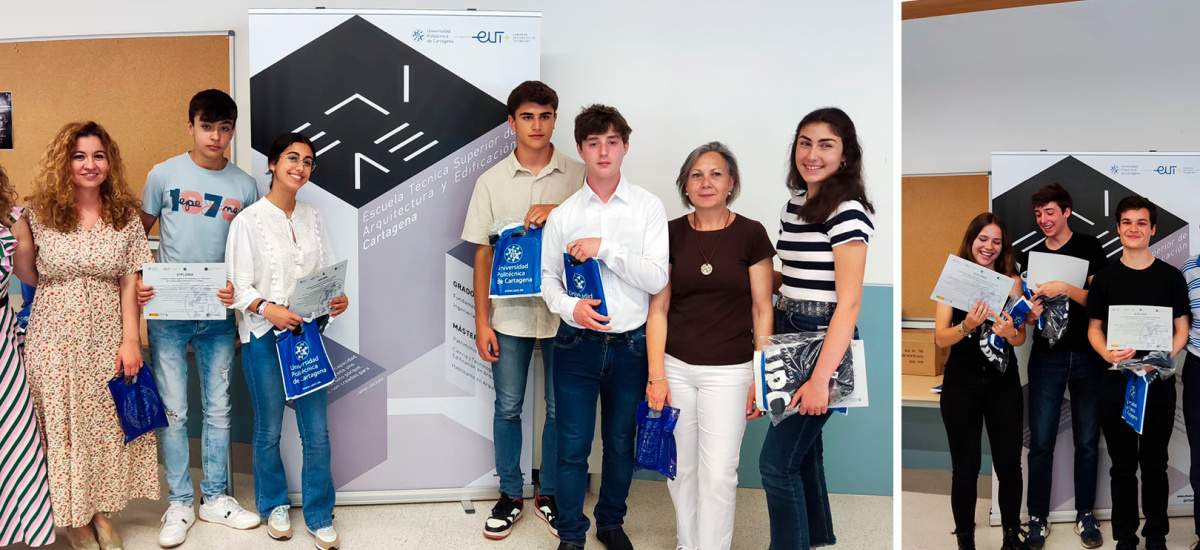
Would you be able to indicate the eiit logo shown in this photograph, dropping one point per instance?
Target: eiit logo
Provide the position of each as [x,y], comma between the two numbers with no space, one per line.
[490,37]
[418,36]
[1165,170]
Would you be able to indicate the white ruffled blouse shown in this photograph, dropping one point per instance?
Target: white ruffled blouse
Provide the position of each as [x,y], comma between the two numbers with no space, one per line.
[263,261]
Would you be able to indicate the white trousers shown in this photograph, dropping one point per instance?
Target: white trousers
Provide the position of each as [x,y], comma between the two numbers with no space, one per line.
[708,438]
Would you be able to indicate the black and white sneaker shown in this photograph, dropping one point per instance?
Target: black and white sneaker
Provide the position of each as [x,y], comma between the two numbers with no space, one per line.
[505,513]
[547,509]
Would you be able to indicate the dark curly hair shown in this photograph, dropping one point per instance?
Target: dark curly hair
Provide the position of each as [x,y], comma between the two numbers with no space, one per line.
[845,184]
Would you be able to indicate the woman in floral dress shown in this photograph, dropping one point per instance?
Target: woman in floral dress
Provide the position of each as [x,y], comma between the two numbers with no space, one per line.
[24,493]
[84,331]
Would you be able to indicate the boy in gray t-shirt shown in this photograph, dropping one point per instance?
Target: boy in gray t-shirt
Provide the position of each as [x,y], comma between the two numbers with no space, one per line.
[194,196]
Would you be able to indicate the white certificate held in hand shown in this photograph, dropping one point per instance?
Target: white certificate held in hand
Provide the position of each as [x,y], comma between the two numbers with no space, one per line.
[313,293]
[184,291]
[1044,268]
[963,283]
[1141,328]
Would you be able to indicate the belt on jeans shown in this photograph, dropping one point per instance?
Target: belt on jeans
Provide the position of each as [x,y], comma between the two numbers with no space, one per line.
[605,336]
[805,307]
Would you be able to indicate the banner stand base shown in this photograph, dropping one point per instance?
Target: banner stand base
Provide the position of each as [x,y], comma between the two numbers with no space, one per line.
[465,495]
[1102,514]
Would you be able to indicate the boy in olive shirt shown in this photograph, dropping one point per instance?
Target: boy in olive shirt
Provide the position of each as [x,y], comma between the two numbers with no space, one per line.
[526,186]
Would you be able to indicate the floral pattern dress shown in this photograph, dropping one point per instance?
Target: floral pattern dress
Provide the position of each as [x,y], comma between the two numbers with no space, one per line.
[70,355]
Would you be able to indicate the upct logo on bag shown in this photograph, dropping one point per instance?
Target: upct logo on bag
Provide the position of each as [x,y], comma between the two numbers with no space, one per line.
[140,407]
[580,281]
[512,254]
[301,351]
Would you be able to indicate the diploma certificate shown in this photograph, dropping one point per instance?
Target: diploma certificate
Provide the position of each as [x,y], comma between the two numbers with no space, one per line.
[184,291]
[962,283]
[1044,268]
[313,293]
[1141,328]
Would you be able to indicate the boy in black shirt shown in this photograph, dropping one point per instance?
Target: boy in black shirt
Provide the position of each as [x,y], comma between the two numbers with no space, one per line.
[1070,363]
[1137,279]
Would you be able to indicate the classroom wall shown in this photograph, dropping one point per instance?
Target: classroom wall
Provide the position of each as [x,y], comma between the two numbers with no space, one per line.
[1102,75]
[683,73]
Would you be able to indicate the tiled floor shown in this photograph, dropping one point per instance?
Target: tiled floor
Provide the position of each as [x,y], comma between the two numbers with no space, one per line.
[861,523]
[926,522]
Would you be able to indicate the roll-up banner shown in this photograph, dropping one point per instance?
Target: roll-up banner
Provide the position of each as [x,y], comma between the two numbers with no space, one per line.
[1097,182]
[405,110]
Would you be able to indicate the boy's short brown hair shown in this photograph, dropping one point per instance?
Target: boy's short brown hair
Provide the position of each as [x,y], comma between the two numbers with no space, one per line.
[596,120]
[1052,193]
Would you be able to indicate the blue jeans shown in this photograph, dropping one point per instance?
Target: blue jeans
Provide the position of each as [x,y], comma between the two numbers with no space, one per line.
[510,375]
[793,466]
[260,362]
[1049,375]
[590,365]
[213,342]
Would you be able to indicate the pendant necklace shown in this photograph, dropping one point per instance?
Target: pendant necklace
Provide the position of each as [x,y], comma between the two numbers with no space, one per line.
[706,268]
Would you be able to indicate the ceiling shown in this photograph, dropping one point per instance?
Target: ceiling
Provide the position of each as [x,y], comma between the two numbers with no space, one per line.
[917,9]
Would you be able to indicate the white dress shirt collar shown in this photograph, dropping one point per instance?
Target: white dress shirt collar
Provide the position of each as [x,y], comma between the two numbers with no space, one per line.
[622,191]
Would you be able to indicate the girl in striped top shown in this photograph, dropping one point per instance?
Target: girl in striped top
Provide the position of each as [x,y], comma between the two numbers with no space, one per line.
[822,243]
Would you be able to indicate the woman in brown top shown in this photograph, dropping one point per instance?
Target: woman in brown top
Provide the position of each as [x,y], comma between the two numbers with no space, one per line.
[717,301]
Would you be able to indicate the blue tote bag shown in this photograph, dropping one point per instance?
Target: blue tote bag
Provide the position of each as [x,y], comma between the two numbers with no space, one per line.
[656,439]
[302,358]
[517,263]
[583,281]
[139,406]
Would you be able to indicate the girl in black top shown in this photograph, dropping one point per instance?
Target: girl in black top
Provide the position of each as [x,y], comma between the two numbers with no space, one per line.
[975,392]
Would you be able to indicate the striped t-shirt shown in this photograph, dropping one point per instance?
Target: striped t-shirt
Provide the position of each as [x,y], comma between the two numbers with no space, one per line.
[1191,274]
[806,249]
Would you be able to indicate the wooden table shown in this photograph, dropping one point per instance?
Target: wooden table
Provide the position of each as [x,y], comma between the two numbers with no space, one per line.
[914,391]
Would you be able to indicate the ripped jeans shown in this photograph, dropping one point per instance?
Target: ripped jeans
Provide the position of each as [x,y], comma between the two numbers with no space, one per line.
[213,342]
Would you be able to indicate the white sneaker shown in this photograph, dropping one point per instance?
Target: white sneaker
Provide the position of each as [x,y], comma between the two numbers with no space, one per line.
[175,524]
[279,525]
[226,511]
[325,537]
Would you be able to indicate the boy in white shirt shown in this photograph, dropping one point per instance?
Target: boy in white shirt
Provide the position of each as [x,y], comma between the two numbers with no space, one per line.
[598,357]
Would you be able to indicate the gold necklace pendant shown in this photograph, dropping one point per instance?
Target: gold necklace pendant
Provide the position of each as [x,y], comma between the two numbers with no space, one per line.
[706,268]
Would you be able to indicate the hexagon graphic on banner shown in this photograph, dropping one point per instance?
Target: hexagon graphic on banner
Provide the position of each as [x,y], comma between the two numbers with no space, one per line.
[1096,196]
[401,140]
[382,114]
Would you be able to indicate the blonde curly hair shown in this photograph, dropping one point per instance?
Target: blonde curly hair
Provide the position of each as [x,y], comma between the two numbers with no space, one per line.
[53,198]
[8,198]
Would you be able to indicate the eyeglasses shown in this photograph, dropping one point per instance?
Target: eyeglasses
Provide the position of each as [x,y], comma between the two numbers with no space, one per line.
[296,160]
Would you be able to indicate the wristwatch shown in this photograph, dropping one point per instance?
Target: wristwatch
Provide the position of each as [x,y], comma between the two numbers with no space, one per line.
[262,307]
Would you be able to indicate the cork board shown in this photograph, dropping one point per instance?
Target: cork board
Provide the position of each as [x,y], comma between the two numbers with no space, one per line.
[935,211]
[138,88]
